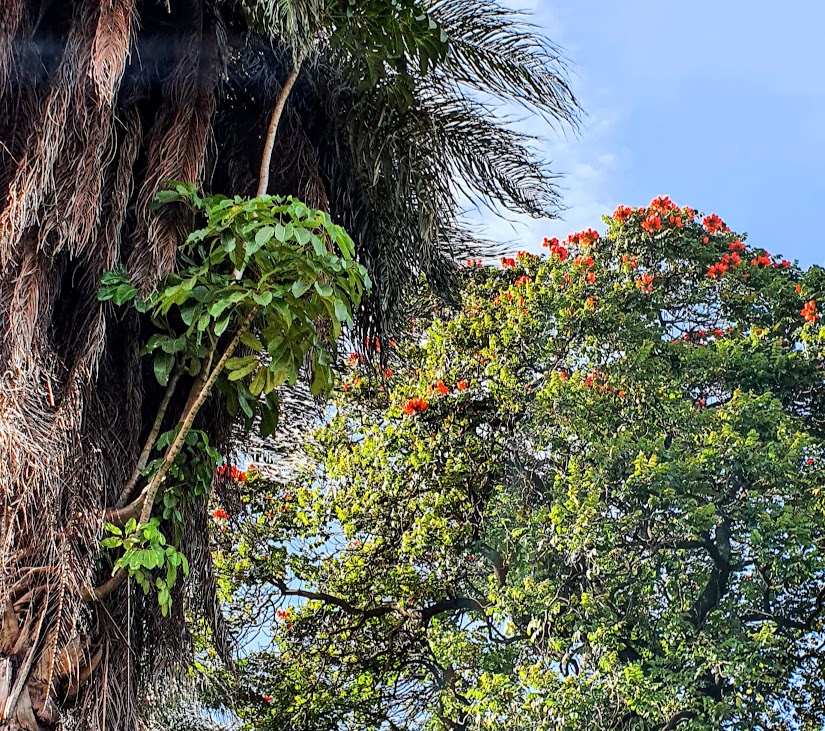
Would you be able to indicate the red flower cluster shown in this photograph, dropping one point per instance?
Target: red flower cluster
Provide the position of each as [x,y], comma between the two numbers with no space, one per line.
[718,270]
[372,342]
[713,224]
[441,387]
[415,406]
[700,337]
[591,277]
[622,213]
[809,312]
[555,248]
[220,514]
[592,378]
[764,259]
[232,472]
[507,262]
[473,262]
[267,699]
[583,238]
[588,261]
[461,385]
[652,223]
[522,280]
[736,246]
[355,358]
[630,260]
[663,205]
[593,381]
[645,283]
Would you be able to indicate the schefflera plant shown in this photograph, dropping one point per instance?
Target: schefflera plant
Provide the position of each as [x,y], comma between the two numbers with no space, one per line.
[268,273]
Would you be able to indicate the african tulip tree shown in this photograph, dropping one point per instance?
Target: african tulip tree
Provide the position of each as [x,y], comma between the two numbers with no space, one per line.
[587,497]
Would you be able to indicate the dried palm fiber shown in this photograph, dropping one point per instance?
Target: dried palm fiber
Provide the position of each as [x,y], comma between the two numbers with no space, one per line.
[11,18]
[72,399]
[177,142]
[34,176]
[89,140]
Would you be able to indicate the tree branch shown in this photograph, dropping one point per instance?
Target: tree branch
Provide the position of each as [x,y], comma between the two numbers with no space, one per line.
[277,112]
[719,550]
[425,614]
[99,593]
[143,460]
[186,424]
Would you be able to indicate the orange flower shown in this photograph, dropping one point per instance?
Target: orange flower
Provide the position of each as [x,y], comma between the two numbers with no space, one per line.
[591,277]
[415,406]
[652,223]
[232,472]
[441,388]
[461,385]
[663,204]
[522,280]
[507,262]
[220,514]
[713,224]
[809,312]
[645,283]
[622,213]
[736,246]
[555,248]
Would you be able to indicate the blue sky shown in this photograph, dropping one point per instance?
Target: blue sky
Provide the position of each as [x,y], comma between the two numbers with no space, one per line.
[720,105]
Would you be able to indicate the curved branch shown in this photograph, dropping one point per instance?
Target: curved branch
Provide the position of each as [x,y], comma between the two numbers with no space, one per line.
[99,593]
[425,614]
[120,516]
[719,550]
[277,112]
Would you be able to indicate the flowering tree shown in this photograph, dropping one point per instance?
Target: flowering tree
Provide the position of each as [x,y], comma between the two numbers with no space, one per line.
[586,497]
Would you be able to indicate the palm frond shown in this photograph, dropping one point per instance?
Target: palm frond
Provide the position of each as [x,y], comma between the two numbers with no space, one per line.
[497,51]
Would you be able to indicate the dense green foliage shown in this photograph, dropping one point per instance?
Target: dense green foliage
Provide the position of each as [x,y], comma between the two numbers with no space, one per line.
[267,274]
[587,497]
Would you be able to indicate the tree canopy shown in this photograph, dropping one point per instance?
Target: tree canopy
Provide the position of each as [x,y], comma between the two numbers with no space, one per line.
[586,496]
